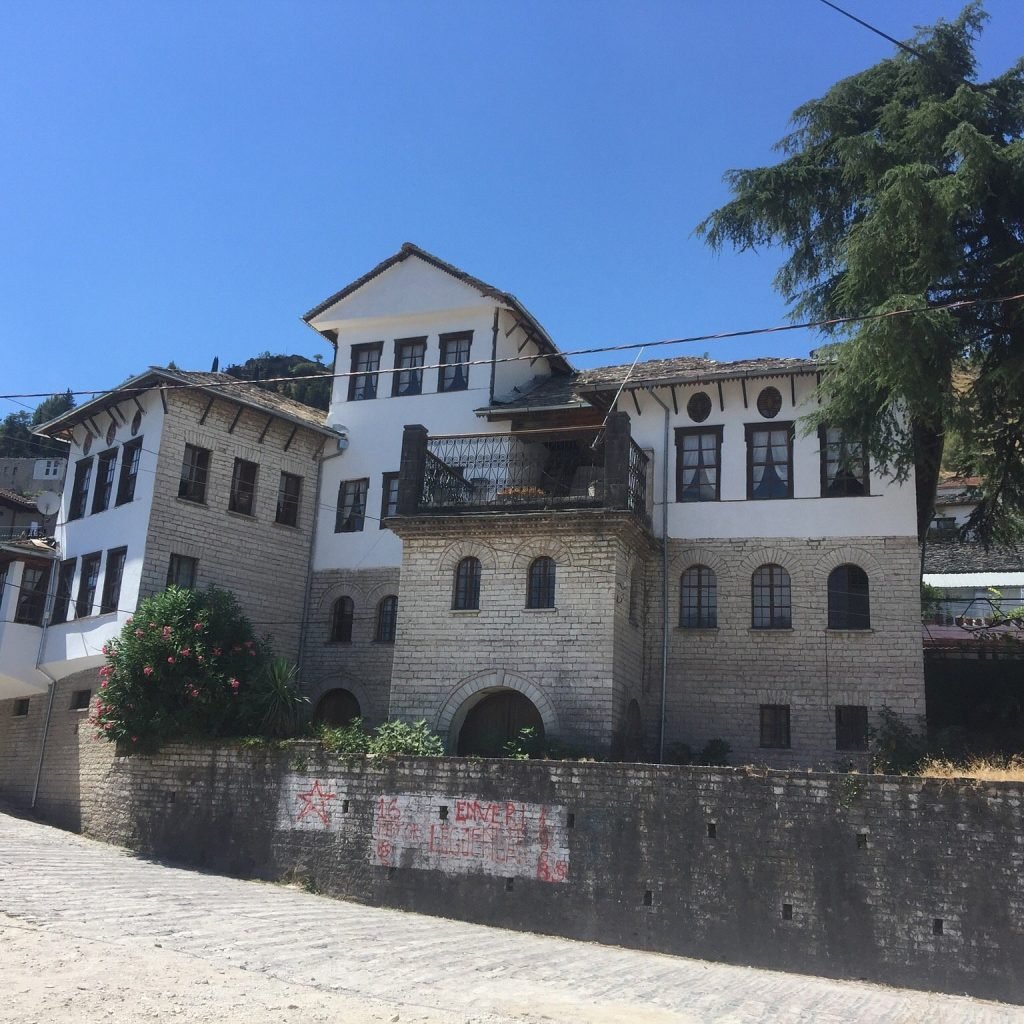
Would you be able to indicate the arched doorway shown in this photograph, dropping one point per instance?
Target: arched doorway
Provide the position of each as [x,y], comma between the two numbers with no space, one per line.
[337,708]
[493,721]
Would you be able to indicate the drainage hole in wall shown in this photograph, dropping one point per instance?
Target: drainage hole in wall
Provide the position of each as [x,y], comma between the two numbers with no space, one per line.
[391,872]
[648,898]
[937,926]
[173,796]
[509,882]
[712,830]
[862,840]
[442,812]
[787,911]
[344,807]
[570,821]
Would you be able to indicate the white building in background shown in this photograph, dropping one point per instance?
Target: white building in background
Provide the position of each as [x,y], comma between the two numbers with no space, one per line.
[627,560]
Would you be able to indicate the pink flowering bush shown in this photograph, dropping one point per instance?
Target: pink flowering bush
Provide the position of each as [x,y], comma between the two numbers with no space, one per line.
[195,670]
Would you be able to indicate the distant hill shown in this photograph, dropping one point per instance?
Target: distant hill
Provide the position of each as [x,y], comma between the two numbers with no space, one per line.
[17,440]
[262,370]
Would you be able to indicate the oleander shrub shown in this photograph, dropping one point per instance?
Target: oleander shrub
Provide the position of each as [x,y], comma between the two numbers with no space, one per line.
[182,667]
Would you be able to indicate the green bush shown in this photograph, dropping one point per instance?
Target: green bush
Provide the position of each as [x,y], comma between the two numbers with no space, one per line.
[715,752]
[400,738]
[274,705]
[347,739]
[895,747]
[181,667]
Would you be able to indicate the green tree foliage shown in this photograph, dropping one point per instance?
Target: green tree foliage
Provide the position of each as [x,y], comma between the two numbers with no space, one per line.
[16,438]
[903,187]
[316,393]
[185,665]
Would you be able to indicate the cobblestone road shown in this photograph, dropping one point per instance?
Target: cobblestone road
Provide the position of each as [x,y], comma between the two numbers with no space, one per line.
[92,933]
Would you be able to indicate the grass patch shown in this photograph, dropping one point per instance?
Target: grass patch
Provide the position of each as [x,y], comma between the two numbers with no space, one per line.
[987,769]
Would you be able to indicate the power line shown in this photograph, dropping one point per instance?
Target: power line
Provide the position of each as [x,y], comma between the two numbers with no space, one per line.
[596,349]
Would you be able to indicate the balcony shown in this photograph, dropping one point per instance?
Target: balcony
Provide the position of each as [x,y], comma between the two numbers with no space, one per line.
[528,471]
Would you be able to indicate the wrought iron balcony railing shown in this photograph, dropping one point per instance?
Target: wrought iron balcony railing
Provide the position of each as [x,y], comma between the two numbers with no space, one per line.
[530,470]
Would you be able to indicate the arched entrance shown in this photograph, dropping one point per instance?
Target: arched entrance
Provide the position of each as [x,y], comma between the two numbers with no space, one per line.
[494,720]
[336,708]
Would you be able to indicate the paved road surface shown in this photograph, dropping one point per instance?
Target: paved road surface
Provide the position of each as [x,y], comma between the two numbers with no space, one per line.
[90,933]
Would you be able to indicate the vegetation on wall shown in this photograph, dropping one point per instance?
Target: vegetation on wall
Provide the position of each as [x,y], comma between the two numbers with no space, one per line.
[264,368]
[390,739]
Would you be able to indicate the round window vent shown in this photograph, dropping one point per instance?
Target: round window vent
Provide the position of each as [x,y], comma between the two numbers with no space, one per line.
[698,408]
[769,402]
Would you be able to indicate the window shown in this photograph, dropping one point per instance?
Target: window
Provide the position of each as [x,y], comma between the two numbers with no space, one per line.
[851,727]
[775,725]
[289,493]
[848,602]
[698,598]
[540,590]
[351,506]
[243,487]
[698,455]
[844,469]
[466,594]
[80,700]
[195,470]
[112,580]
[32,596]
[769,402]
[365,364]
[342,613]
[771,598]
[65,584]
[106,463]
[87,585]
[80,488]
[130,455]
[410,354]
[387,620]
[389,498]
[21,707]
[182,572]
[454,372]
[769,461]
[698,408]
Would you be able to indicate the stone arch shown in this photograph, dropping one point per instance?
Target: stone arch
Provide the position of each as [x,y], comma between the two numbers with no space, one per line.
[770,556]
[335,701]
[848,554]
[456,552]
[332,593]
[318,689]
[697,555]
[540,547]
[474,688]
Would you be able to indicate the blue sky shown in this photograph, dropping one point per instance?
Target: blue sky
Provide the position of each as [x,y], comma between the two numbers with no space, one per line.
[180,181]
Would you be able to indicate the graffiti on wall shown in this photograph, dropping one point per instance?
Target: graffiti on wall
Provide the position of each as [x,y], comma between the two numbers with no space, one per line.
[315,805]
[466,835]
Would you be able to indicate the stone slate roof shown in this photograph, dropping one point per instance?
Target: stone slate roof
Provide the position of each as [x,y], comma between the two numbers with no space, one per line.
[231,388]
[17,501]
[561,390]
[951,556]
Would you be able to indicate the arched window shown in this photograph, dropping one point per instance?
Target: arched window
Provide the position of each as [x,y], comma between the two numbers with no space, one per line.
[337,708]
[341,620]
[770,598]
[698,598]
[387,619]
[540,591]
[466,594]
[848,604]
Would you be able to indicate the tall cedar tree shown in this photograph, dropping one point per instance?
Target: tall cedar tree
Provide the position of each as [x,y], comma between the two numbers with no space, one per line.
[903,186]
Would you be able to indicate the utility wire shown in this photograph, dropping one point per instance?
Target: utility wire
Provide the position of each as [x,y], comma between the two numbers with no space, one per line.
[626,347]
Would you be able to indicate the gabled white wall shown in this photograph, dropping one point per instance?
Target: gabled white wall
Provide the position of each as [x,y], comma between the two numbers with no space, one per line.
[889,510]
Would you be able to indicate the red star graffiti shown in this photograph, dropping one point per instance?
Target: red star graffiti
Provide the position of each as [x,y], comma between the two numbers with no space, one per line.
[316,802]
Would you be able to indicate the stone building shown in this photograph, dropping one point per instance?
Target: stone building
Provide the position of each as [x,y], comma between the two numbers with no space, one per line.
[628,558]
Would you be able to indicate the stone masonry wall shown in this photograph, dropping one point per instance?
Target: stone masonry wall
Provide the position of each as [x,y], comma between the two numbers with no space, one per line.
[562,659]
[718,678]
[262,562]
[899,880]
[363,667]
[60,783]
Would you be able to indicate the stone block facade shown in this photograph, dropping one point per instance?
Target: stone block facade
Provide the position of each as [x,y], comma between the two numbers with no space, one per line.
[579,663]
[264,563]
[719,678]
[22,726]
[361,666]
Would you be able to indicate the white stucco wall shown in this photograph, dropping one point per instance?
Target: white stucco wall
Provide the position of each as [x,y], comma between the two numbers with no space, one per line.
[76,644]
[889,510]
